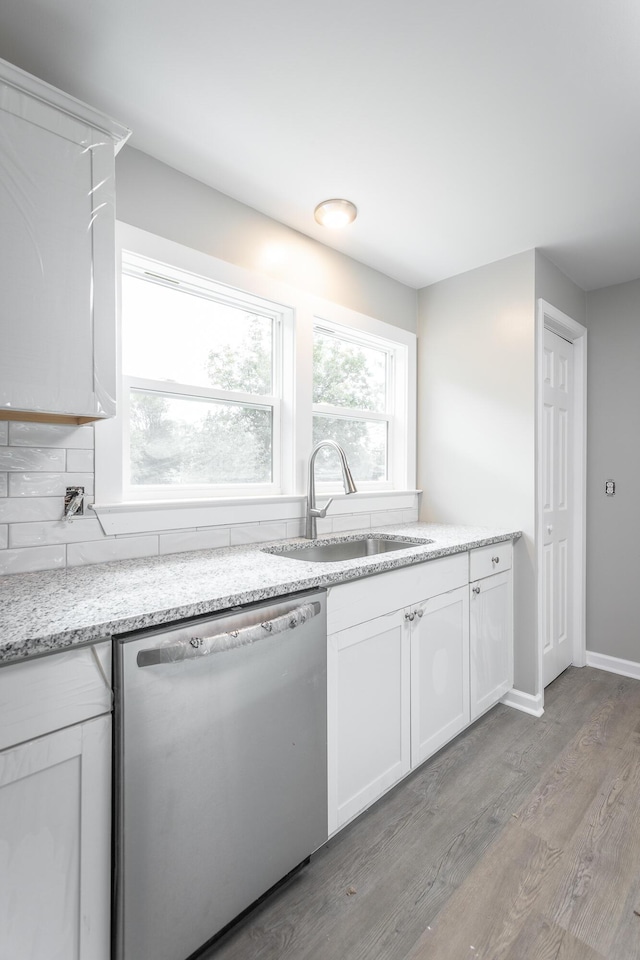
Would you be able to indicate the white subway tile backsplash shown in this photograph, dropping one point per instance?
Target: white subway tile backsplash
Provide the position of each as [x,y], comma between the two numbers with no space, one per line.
[80,461]
[54,531]
[324,526]
[111,548]
[295,528]
[32,558]
[25,509]
[50,435]
[48,484]
[194,540]
[257,532]
[20,459]
[352,522]
[383,518]
[39,461]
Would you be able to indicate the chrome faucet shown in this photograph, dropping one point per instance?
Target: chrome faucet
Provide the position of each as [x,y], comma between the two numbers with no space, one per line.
[311,529]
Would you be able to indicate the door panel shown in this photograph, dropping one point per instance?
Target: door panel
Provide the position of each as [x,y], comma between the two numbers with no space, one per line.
[368,714]
[55,845]
[490,641]
[557,453]
[439,672]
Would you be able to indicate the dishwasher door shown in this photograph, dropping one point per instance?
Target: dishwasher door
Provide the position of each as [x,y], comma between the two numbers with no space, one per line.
[220,769]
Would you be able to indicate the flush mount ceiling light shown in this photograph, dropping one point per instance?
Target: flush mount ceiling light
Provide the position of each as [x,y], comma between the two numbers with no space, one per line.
[335,213]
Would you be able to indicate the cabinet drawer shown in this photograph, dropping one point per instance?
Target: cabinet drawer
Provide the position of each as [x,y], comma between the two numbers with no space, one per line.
[43,695]
[362,600]
[485,561]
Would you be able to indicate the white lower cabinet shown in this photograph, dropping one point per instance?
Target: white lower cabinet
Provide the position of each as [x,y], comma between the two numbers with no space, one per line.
[376,670]
[368,714]
[439,672]
[55,810]
[491,640]
[403,683]
[55,852]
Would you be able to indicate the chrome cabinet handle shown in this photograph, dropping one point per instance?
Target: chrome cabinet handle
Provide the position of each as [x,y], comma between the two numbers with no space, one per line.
[495,559]
[420,612]
[410,616]
[476,589]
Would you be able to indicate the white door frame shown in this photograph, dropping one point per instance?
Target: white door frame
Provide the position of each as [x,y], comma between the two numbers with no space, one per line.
[551,318]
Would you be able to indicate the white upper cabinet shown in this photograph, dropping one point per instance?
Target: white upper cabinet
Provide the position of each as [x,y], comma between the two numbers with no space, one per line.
[57,253]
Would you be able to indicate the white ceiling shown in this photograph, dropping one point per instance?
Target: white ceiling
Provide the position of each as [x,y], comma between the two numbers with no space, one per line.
[464,130]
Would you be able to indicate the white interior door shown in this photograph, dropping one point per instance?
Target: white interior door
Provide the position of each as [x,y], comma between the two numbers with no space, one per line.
[557,486]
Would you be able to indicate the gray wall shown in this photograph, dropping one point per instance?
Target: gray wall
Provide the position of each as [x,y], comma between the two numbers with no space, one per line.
[157,198]
[613,452]
[557,289]
[476,418]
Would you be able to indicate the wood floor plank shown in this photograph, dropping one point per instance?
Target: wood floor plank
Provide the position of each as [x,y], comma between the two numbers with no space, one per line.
[568,786]
[485,915]
[541,939]
[565,713]
[601,862]
[626,941]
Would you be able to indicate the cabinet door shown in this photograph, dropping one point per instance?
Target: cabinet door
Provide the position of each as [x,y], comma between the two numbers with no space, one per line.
[491,641]
[368,714]
[439,672]
[55,845]
[57,255]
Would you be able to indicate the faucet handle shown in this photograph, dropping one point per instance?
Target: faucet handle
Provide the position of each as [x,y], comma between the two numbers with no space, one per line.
[316,512]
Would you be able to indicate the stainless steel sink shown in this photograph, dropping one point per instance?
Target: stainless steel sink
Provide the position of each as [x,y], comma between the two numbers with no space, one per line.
[346,549]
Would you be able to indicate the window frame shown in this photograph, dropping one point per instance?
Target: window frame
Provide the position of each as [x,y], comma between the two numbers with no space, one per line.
[299,310]
[392,351]
[135,265]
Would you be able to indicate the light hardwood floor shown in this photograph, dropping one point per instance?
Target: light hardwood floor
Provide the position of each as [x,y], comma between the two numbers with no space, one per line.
[518,841]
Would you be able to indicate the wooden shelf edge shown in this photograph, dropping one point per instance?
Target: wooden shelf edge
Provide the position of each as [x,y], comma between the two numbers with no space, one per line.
[37,417]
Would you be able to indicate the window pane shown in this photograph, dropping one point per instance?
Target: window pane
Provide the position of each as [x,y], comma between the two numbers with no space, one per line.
[171,334]
[364,442]
[177,440]
[348,374]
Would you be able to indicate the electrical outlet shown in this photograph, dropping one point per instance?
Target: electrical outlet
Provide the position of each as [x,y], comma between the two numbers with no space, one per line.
[610,488]
[74,502]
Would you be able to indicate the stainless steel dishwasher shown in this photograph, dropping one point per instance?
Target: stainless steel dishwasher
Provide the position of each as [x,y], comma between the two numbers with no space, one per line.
[220,769]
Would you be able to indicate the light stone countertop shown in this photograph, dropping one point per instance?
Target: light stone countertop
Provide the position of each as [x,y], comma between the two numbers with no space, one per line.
[49,611]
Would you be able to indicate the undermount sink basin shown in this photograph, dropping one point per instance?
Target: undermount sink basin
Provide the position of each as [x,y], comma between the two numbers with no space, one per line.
[347,549]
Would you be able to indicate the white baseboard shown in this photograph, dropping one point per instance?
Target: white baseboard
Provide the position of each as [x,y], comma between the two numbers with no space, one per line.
[627,668]
[525,702]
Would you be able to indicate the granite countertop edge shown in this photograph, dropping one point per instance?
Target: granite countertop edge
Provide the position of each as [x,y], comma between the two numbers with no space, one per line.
[48,612]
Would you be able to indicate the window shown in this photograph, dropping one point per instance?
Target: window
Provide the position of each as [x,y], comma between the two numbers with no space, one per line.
[353,402]
[201,386]
[227,378]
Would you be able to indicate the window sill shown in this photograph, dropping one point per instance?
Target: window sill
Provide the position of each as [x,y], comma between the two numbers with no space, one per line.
[121,519]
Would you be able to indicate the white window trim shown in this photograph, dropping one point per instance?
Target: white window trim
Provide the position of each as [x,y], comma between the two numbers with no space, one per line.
[302,311]
[167,275]
[395,416]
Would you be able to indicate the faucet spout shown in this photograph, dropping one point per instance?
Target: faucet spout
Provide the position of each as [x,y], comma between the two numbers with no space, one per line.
[311,527]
